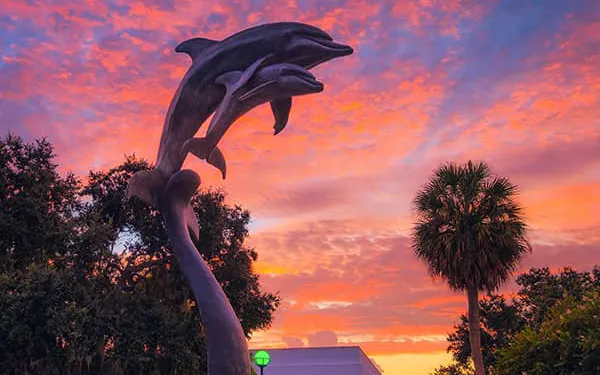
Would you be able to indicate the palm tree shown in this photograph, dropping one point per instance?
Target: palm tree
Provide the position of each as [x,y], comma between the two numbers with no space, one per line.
[471,233]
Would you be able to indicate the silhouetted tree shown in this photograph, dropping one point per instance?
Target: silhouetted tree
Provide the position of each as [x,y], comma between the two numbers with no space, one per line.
[88,283]
[36,203]
[471,233]
[566,342]
[540,290]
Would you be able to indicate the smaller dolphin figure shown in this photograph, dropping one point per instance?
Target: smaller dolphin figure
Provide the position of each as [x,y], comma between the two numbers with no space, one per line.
[244,91]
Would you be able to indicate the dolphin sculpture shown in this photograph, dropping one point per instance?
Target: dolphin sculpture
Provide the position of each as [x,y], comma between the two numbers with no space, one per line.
[245,91]
[198,94]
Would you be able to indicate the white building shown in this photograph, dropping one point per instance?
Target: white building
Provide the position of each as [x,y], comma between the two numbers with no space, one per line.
[338,360]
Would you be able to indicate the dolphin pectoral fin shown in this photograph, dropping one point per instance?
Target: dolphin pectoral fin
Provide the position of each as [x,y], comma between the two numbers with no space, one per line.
[248,73]
[178,193]
[235,79]
[281,111]
[145,185]
[192,221]
[217,160]
[195,46]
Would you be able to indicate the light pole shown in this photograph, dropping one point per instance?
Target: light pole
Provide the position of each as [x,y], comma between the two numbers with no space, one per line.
[262,359]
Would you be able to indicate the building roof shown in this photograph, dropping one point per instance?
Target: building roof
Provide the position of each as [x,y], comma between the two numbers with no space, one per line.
[336,360]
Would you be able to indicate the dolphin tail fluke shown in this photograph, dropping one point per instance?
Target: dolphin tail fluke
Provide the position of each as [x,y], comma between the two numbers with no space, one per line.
[178,193]
[217,160]
[145,185]
[202,149]
[198,147]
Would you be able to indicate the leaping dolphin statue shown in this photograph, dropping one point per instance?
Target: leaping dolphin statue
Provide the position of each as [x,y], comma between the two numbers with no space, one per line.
[245,91]
[199,94]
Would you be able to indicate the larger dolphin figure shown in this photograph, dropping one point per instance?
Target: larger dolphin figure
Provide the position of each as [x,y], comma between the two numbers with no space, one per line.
[245,91]
[170,189]
[199,94]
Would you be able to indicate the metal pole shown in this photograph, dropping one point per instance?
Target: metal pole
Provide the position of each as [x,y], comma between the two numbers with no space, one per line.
[261,370]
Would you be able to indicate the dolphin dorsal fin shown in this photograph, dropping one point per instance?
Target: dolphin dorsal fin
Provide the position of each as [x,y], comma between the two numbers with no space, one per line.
[195,46]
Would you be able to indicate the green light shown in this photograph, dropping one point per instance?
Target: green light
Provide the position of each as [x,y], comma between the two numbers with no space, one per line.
[262,358]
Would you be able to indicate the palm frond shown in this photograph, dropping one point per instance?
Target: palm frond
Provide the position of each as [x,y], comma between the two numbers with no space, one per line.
[470,228]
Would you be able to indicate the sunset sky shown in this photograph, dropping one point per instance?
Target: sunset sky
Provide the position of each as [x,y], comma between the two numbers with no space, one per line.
[515,83]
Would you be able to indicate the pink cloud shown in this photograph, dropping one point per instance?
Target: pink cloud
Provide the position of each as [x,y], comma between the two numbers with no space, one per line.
[322,338]
[293,342]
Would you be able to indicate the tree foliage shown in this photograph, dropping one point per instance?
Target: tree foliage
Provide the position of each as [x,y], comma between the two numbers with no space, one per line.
[223,230]
[567,342]
[453,369]
[540,290]
[36,204]
[470,228]
[89,284]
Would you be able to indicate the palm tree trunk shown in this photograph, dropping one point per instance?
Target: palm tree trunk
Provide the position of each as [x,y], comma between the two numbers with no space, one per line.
[226,343]
[475,330]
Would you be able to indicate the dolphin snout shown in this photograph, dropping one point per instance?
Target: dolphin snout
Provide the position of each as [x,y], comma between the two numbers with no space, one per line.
[298,74]
[295,70]
[338,48]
